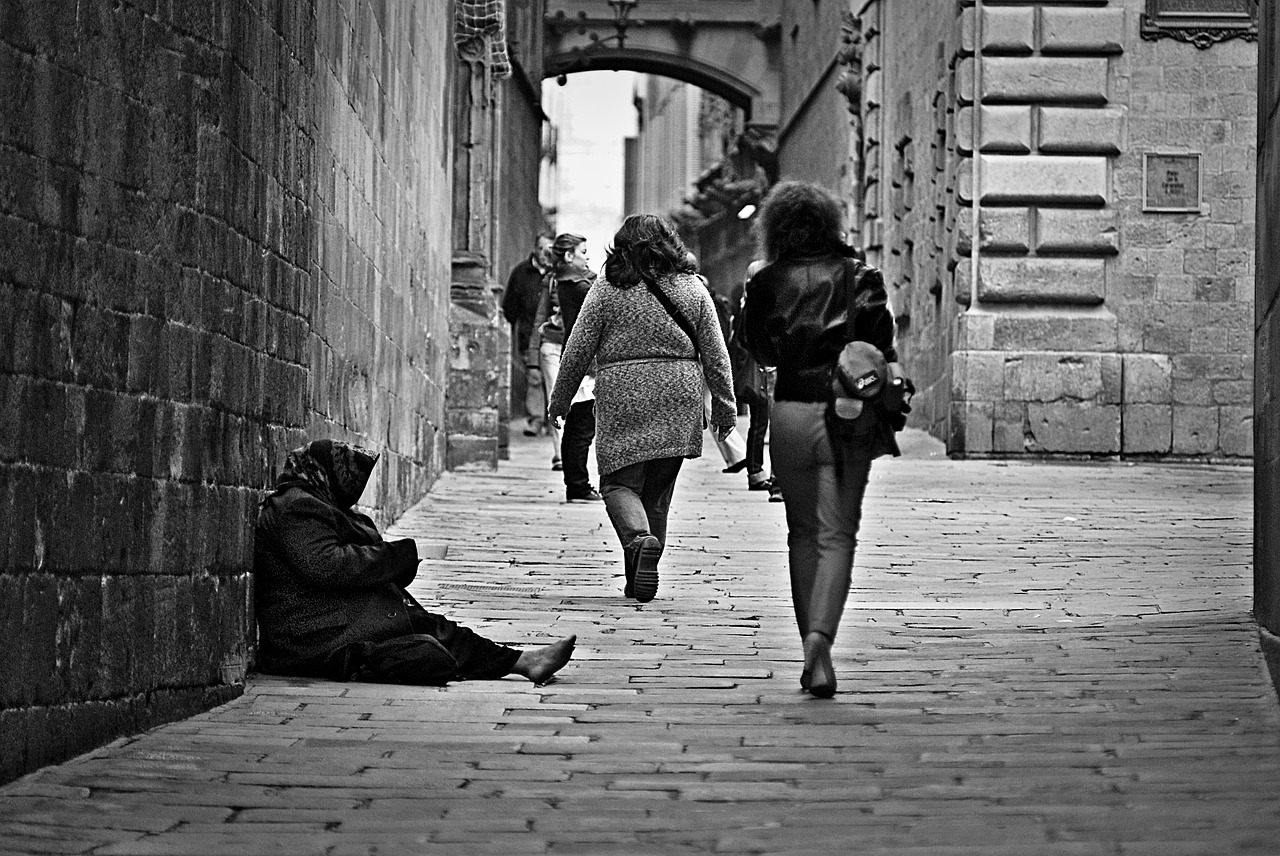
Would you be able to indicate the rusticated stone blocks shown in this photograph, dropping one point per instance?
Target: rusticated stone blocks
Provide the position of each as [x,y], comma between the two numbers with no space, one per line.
[1046,180]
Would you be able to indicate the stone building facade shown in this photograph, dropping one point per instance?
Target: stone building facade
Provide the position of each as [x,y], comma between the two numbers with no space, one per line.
[1103,154]
[225,233]
[1108,309]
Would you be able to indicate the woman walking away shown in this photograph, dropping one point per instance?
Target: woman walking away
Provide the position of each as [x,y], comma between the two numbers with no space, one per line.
[797,319]
[651,330]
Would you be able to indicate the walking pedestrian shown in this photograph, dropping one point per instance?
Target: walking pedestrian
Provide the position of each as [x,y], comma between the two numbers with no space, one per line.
[568,282]
[752,385]
[520,301]
[651,330]
[330,595]
[796,318]
[732,447]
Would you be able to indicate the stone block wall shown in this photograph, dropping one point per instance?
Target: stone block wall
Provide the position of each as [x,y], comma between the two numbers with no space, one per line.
[910,210]
[1266,396]
[222,237]
[380,232]
[1074,269]
[814,122]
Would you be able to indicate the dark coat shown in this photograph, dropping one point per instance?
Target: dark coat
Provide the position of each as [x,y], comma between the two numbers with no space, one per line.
[796,317]
[324,578]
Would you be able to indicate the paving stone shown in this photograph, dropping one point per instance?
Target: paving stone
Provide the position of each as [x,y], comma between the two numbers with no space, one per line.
[1041,659]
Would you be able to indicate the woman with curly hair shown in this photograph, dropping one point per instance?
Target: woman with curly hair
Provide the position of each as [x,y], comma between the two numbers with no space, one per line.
[796,317]
[652,331]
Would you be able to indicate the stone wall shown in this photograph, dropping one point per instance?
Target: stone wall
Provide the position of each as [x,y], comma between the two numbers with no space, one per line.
[813,127]
[1266,550]
[1096,326]
[909,209]
[222,237]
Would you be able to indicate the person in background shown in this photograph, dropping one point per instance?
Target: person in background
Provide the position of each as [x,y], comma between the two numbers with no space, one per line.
[651,331]
[567,284]
[796,317]
[732,448]
[330,593]
[520,301]
[752,385]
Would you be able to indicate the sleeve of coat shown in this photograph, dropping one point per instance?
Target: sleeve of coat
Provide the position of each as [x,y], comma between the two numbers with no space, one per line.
[309,542]
[578,354]
[874,321]
[715,364]
[511,297]
[757,304]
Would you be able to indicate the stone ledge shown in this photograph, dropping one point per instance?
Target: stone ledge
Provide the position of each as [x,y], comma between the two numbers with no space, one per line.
[1004,279]
[1083,130]
[1080,80]
[1095,31]
[1004,129]
[1077,231]
[1043,180]
[1006,230]
[1008,29]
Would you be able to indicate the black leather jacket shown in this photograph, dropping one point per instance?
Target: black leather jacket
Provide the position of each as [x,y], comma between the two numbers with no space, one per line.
[795,317]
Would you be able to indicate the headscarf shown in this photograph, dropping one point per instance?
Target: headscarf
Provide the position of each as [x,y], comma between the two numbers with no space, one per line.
[329,470]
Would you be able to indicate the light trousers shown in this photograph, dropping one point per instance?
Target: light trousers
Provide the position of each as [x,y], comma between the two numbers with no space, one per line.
[824,510]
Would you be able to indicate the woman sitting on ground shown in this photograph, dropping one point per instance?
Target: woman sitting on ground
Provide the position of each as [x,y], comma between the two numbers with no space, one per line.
[330,592]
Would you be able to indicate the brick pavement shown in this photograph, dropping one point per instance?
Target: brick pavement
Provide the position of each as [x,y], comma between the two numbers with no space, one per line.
[1037,659]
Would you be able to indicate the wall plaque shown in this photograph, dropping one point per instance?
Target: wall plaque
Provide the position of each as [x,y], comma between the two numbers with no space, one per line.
[1171,182]
[1201,22]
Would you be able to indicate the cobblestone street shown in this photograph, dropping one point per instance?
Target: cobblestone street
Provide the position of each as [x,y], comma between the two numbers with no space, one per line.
[1039,659]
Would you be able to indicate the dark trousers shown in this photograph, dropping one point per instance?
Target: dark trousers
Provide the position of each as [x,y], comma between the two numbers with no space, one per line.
[638,497]
[575,444]
[824,510]
[758,406]
[438,651]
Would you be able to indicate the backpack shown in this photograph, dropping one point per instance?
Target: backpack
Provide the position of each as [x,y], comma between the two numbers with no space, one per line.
[865,399]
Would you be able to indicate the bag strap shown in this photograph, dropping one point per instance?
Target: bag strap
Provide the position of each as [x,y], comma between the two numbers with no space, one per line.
[676,315]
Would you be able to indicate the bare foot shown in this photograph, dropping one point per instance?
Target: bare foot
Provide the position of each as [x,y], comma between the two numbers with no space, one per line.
[539,664]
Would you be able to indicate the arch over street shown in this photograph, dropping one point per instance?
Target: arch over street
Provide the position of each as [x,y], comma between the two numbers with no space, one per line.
[727,47]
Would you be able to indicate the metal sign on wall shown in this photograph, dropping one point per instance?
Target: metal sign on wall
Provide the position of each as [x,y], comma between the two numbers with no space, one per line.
[1203,23]
[1171,182]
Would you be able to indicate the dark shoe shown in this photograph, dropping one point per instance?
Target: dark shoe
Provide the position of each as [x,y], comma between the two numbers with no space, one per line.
[736,468]
[648,550]
[775,492]
[591,495]
[765,484]
[630,558]
[818,670]
[556,466]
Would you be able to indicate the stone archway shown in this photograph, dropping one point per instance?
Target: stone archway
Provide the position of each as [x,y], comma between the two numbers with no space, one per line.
[729,49]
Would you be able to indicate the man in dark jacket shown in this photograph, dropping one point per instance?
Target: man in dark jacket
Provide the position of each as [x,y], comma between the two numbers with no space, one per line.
[519,306]
[330,592]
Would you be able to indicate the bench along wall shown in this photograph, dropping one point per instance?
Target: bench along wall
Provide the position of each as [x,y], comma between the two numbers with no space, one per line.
[224,234]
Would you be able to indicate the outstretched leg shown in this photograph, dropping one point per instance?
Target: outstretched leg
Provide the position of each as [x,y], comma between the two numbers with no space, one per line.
[540,664]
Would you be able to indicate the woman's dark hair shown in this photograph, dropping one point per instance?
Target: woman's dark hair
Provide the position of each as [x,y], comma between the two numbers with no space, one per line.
[646,248]
[798,219]
[561,246]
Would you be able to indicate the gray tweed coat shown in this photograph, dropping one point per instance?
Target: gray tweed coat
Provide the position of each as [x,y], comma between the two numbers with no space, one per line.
[648,381]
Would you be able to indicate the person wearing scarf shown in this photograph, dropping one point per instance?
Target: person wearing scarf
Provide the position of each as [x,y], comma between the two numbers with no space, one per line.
[330,593]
